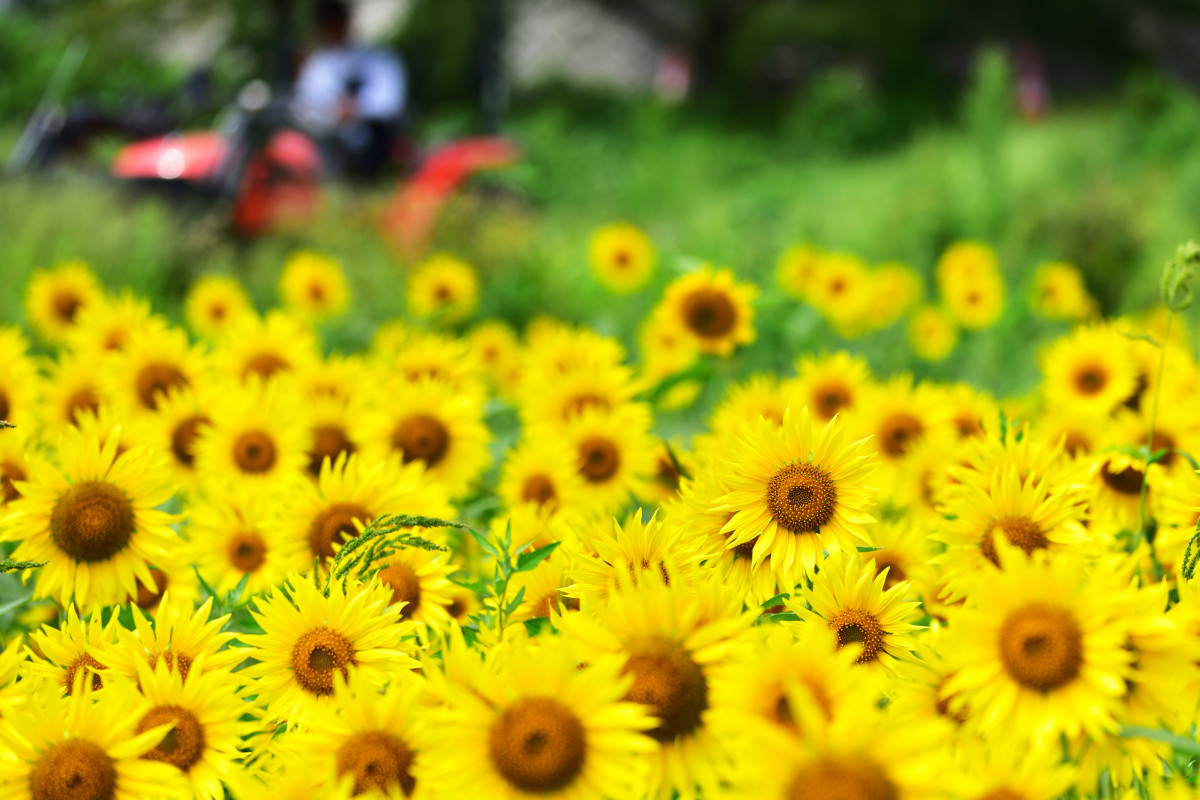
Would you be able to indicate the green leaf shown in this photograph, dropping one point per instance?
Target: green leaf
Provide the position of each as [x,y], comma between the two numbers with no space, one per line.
[8,565]
[234,597]
[1142,337]
[17,603]
[1157,456]
[536,625]
[527,561]
[1176,285]
[1179,744]
[484,542]
[208,590]
[515,603]
[776,600]
[1190,459]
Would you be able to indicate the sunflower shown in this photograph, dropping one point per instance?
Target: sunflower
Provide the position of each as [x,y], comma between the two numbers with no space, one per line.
[1059,292]
[214,304]
[609,554]
[498,350]
[794,497]
[94,520]
[1176,431]
[867,755]
[371,739]
[257,434]
[429,422]
[673,642]
[179,417]
[348,495]
[764,396]
[796,268]
[178,637]
[830,384]
[998,769]
[918,693]
[260,348]
[151,364]
[207,731]
[55,297]
[558,398]
[233,534]
[531,724]
[848,598]
[331,434]
[418,579]
[966,261]
[614,453]
[974,302]
[692,514]
[12,662]
[554,348]
[841,291]
[108,325]
[435,357]
[905,550]
[1115,491]
[14,444]
[711,309]
[895,288]
[621,256]
[307,637]
[82,747]
[72,385]
[666,350]
[1031,514]
[899,414]
[1089,372]
[540,471]
[313,286]
[444,288]
[763,677]
[58,655]
[19,381]
[543,589]
[932,333]
[1040,647]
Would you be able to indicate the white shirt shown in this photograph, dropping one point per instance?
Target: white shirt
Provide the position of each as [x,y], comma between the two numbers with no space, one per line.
[328,71]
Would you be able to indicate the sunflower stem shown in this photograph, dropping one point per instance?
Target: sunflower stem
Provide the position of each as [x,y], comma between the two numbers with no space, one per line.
[1162,363]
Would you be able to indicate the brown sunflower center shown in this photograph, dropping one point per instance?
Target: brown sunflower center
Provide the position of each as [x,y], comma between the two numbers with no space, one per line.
[315,656]
[709,314]
[840,778]
[538,745]
[1020,532]
[666,474]
[66,305]
[147,597]
[599,459]
[85,662]
[621,259]
[898,433]
[968,426]
[246,551]
[575,406]
[264,365]
[173,660]
[92,521]
[155,379]
[1077,443]
[1160,441]
[329,442]
[1127,481]
[946,705]
[1090,379]
[539,489]
[73,770]
[82,399]
[406,586]
[183,745]
[5,406]
[666,678]
[254,452]
[316,292]
[855,626]
[334,525]
[1041,646]
[10,471]
[802,498]
[1003,793]
[831,398]
[377,760]
[183,438]
[421,437]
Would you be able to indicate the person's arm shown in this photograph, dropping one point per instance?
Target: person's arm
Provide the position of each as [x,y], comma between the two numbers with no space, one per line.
[384,87]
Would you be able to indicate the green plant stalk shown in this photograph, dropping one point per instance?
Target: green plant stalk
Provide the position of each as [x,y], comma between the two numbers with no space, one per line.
[1179,744]
[1162,363]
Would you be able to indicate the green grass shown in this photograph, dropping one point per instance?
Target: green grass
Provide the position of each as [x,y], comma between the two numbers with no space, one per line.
[1102,187]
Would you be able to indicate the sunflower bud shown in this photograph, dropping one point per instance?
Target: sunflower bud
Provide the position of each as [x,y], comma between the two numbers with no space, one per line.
[1177,277]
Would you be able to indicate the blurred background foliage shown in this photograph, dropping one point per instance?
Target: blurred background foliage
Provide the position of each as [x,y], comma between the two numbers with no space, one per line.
[885,129]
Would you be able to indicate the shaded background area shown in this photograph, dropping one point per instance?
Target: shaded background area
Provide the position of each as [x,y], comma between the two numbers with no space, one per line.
[730,130]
